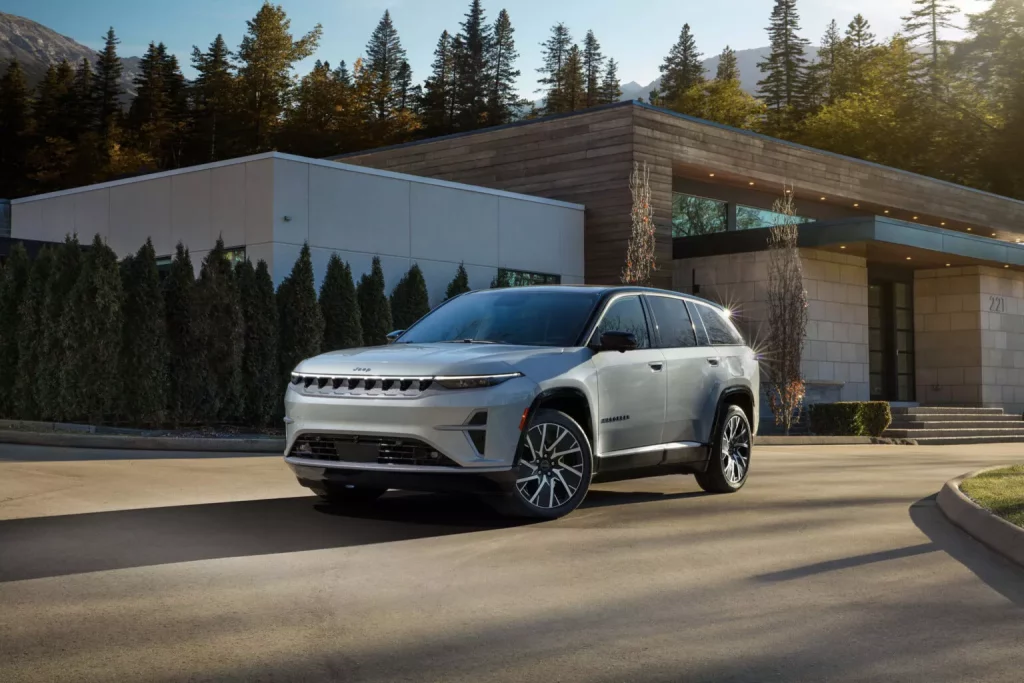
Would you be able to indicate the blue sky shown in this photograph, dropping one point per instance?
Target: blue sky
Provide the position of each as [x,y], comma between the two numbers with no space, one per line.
[637,33]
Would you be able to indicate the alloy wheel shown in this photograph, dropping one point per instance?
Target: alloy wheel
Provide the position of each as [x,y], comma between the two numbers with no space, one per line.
[550,466]
[735,450]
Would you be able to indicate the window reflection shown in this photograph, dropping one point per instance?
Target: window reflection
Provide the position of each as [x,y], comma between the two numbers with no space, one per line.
[751,218]
[697,215]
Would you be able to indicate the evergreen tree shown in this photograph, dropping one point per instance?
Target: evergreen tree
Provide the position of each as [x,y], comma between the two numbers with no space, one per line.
[13,281]
[503,102]
[31,319]
[91,333]
[438,103]
[556,52]
[459,284]
[593,65]
[262,386]
[823,86]
[301,322]
[15,129]
[313,124]
[574,82]
[857,50]
[407,94]
[343,328]
[217,311]
[783,88]
[144,340]
[374,308]
[611,89]
[52,370]
[721,101]
[82,101]
[924,23]
[384,58]
[473,68]
[213,95]
[49,110]
[266,57]
[409,300]
[157,114]
[682,68]
[106,88]
[186,357]
[728,66]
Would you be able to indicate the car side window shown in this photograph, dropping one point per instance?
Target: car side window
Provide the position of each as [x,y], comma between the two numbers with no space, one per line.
[626,314]
[720,331]
[675,330]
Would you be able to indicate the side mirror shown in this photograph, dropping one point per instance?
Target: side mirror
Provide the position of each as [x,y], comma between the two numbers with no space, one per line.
[617,341]
[392,336]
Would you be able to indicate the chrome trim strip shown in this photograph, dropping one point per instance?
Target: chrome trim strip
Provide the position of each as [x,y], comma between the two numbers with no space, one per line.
[450,378]
[357,376]
[377,467]
[674,446]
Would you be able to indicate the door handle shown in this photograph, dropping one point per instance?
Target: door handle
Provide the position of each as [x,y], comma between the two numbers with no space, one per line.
[713,361]
[656,366]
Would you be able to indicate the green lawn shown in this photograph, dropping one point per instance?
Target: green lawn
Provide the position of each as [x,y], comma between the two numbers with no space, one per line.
[1001,491]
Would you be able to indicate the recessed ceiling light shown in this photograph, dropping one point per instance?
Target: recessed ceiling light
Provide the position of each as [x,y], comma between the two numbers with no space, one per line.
[993,234]
[789,191]
[856,205]
[822,199]
[948,265]
[887,210]
[1006,266]
[842,246]
[968,229]
[908,258]
[711,174]
[942,223]
[751,182]
[915,218]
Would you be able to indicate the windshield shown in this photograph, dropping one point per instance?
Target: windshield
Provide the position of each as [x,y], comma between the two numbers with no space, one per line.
[510,316]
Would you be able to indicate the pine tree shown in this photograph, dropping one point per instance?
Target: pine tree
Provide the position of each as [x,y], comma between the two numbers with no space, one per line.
[593,64]
[784,85]
[409,300]
[313,124]
[823,86]
[384,58]
[213,96]
[343,328]
[82,100]
[144,354]
[503,102]
[728,66]
[924,24]
[49,109]
[301,322]
[459,284]
[556,52]
[52,371]
[217,311]
[574,82]
[438,102]
[262,386]
[858,47]
[374,308]
[91,331]
[472,68]
[106,88]
[13,281]
[31,319]
[157,114]
[15,130]
[611,89]
[186,358]
[682,68]
[265,60]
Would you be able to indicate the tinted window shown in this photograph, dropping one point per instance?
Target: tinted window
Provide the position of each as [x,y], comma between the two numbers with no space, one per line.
[674,327]
[508,316]
[626,314]
[720,331]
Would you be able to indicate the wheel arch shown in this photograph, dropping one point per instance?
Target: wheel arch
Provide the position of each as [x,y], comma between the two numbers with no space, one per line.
[734,396]
[573,402]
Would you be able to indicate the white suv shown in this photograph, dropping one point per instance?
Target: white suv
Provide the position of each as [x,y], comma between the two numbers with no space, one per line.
[527,395]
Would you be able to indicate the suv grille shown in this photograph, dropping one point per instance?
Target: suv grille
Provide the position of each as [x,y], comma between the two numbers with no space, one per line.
[368,449]
[361,387]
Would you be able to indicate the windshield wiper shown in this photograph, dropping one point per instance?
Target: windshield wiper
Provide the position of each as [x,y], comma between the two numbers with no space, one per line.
[470,341]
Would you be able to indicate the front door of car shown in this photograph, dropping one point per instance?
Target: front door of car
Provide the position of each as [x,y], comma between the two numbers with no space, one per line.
[631,385]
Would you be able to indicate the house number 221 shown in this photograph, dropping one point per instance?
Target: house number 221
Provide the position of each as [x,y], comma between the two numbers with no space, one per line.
[997,304]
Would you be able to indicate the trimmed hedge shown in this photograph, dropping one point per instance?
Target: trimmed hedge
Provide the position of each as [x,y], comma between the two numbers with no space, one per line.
[850,418]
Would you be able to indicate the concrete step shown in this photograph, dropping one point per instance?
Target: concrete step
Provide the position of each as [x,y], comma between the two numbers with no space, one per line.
[977,422]
[944,410]
[943,432]
[965,440]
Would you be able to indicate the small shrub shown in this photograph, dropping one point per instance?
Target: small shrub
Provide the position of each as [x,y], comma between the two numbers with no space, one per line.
[343,328]
[374,307]
[850,418]
[459,284]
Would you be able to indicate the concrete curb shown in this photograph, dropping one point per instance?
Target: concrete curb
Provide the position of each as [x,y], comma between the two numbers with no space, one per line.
[998,534]
[812,440]
[142,443]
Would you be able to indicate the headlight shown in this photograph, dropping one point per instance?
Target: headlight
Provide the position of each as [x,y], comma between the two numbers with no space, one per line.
[475,381]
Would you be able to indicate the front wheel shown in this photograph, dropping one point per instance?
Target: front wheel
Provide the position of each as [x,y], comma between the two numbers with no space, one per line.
[554,468]
[729,463]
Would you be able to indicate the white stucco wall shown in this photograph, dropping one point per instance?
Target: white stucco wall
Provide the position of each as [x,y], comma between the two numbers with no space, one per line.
[272,203]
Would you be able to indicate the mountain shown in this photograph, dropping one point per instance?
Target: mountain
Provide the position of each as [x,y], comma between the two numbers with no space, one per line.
[36,47]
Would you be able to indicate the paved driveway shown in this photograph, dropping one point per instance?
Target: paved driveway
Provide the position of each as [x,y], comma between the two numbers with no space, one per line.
[832,564]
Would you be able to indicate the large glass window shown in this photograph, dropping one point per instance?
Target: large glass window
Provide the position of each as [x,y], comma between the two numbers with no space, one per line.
[626,314]
[720,331]
[697,215]
[522,278]
[674,327]
[751,218]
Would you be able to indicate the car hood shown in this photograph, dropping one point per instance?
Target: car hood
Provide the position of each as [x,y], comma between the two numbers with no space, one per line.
[429,360]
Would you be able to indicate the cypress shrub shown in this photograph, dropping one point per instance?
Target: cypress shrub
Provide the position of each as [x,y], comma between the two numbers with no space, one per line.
[91,333]
[13,280]
[52,368]
[302,324]
[374,308]
[217,321]
[185,356]
[31,320]
[144,340]
[409,300]
[459,284]
[850,418]
[343,328]
[261,381]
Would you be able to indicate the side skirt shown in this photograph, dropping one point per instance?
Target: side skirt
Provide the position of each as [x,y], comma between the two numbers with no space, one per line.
[651,461]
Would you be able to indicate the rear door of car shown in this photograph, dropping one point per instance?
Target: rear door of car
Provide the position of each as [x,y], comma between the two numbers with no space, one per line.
[724,349]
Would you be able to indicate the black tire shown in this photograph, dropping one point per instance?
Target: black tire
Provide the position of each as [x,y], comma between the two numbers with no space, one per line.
[542,498]
[720,476]
[347,497]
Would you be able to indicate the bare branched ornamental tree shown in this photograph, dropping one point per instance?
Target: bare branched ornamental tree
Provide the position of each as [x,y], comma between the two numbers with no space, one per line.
[787,316]
[640,262]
